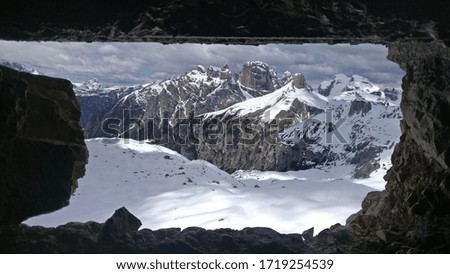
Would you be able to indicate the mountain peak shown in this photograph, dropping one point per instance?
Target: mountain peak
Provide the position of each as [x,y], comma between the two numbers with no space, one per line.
[299,81]
[201,68]
[343,87]
[256,76]
[90,85]
[257,64]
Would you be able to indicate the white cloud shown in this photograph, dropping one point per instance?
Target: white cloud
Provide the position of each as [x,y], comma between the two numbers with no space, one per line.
[140,62]
[108,48]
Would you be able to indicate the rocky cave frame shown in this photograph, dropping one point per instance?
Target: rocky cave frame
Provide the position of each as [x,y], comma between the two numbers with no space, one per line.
[411,215]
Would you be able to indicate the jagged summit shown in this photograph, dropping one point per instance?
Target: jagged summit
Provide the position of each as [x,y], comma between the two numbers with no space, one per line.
[256,78]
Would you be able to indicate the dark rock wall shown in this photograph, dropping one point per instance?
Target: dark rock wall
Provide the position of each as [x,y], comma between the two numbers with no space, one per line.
[225,21]
[417,201]
[42,150]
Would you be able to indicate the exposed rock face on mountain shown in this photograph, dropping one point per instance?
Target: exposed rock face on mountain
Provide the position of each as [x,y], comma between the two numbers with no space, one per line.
[96,100]
[144,111]
[359,107]
[257,78]
[120,234]
[42,149]
[299,81]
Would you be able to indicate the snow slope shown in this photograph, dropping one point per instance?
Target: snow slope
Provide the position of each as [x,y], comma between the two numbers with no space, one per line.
[164,189]
[270,105]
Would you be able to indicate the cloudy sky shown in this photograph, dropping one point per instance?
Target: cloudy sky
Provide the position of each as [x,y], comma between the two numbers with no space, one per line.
[133,63]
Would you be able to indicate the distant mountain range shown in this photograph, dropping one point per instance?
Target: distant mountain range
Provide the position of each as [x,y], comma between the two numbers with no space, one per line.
[19,67]
[254,119]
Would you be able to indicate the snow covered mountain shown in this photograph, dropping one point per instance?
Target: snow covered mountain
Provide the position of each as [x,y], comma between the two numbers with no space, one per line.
[97,100]
[197,91]
[252,119]
[249,120]
[298,128]
[360,122]
[147,111]
[19,67]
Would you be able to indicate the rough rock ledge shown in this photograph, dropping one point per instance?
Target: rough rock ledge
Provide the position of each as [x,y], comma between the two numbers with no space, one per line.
[120,234]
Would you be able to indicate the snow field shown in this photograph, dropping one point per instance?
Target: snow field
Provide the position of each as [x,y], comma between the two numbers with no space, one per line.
[164,189]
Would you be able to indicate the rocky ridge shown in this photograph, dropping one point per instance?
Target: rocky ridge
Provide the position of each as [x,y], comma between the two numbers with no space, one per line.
[155,105]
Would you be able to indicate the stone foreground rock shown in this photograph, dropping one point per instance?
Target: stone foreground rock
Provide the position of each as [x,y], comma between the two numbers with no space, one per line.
[120,235]
[42,149]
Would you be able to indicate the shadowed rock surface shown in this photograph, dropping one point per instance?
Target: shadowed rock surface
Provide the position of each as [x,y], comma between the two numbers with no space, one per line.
[42,150]
[231,21]
[256,77]
[120,235]
[416,203]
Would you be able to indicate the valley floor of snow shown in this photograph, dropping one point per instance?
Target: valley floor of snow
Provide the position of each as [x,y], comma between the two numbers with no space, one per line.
[164,189]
